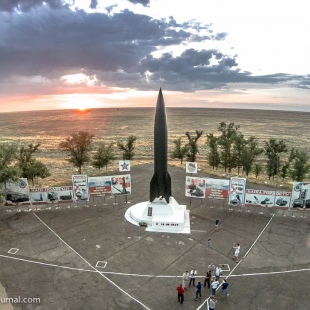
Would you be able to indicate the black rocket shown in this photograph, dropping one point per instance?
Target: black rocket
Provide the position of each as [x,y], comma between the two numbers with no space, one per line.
[160,186]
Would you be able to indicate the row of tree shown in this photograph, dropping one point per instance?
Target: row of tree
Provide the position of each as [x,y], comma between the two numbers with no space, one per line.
[230,149]
[19,162]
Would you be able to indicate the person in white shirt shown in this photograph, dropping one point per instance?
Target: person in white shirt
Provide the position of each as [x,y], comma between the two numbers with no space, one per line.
[185,279]
[212,303]
[192,276]
[236,248]
[218,272]
[214,286]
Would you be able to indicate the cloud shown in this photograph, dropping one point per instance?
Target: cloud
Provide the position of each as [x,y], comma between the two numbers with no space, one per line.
[27,5]
[142,2]
[44,47]
[93,4]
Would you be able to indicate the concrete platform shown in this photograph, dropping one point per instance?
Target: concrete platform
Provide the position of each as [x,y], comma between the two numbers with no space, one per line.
[91,257]
[160,216]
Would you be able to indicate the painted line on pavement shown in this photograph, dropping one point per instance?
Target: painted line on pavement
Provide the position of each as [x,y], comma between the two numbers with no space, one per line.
[98,271]
[207,300]
[146,275]
[45,264]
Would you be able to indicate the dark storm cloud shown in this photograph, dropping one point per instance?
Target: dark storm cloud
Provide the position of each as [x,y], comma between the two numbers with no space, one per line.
[93,4]
[206,69]
[143,2]
[42,45]
[27,5]
[48,42]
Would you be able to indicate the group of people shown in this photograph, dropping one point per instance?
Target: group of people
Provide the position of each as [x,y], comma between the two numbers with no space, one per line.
[213,282]
[188,280]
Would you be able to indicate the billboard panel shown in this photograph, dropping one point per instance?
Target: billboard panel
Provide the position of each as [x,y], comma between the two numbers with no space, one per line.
[282,199]
[80,188]
[121,184]
[17,193]
[51,194]
[300,195]
[237,191]
[195,187]
[98,186]
[260,197]
[216,188]
[124,165]
[191,167]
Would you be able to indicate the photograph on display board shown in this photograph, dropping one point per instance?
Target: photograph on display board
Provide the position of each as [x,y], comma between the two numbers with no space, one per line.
[121,184]
[191,167]
[51,194]
[17,193]
[216,188]
[99,185]
[283,199]
[124,165]
[195,187]
[260,197]
[80,188]
[237,191]
[300,195]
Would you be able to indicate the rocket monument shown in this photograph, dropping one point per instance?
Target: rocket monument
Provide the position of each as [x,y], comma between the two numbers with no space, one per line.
[161,181]
[161,213]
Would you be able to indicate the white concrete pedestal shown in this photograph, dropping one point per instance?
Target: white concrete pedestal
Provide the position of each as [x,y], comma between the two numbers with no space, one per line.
[160,216]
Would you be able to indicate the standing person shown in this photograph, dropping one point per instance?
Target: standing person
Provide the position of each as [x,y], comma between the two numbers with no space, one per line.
[198,291]
[192,276]
[181,291]
[212,303]
[236,251]
[217,222]
[211,268]
[209,246]
[207,279]
[185,279]
[214,286]
[224,288]
[218,272]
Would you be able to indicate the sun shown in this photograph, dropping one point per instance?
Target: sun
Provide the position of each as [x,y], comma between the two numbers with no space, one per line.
[80,102]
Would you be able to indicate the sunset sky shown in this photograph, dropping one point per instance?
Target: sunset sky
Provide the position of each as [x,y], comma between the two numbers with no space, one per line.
[251,54]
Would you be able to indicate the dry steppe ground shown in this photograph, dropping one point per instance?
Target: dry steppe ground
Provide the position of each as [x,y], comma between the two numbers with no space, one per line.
[112,125]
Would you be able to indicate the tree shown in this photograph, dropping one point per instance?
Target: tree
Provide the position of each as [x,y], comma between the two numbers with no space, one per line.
[25,155]
[284,170]
[213,156]
[78,145]
[300,165]
[8,170]
[31,168]
[257,170]
[128,147]
[249,153]
[225,142]
[273,150]
[238,149]
[192,145]
[34,170]
[104,156]
[179,151]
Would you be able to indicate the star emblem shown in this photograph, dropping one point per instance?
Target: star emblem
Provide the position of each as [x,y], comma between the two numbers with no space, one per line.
[124,166]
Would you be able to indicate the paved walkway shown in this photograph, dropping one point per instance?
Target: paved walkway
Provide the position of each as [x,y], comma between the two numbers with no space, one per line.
[90,257]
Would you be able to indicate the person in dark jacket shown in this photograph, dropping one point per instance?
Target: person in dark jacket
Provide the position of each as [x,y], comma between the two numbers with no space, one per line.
[224,288]
[207,279]
[198,290]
